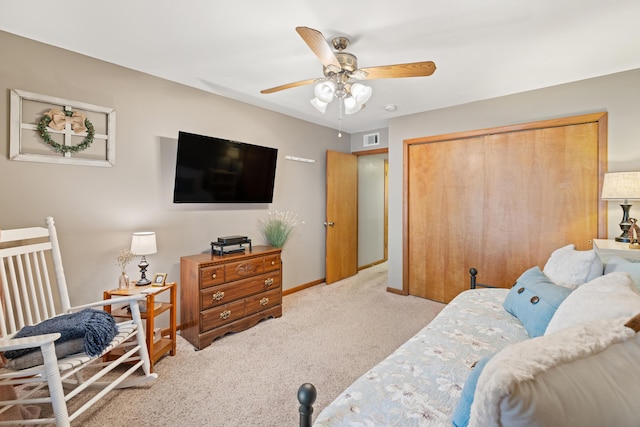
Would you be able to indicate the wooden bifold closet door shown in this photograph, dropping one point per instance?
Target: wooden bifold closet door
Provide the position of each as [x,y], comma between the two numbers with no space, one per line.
[500,200]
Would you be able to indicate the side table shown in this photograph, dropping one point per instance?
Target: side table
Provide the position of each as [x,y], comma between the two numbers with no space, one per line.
[611,247]
[167,341]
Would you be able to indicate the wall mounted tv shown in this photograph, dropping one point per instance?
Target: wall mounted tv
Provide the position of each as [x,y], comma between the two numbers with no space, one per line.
[214,170]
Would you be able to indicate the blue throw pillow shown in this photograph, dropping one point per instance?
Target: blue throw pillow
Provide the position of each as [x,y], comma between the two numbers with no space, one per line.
[462,412]
[534,299]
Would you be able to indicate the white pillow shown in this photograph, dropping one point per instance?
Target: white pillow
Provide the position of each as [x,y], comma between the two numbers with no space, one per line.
[586,375]
[570,268]
[609,296]
[615,263]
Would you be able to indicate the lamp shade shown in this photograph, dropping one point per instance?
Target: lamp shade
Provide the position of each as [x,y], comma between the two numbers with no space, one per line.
[621,186]
[144,243]
[351,106]
[319,105]
[324,91]
[361,93]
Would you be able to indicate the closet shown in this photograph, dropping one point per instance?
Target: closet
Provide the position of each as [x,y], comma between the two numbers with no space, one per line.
[500,200]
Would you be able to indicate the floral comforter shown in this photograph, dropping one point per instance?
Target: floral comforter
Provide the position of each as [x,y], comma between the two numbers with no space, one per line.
[420,383]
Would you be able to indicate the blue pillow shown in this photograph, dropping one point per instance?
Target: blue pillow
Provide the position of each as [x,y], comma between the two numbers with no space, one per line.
[462,412]
[534,299]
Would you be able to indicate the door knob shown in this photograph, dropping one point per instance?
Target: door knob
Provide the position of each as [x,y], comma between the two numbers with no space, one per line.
[329,224]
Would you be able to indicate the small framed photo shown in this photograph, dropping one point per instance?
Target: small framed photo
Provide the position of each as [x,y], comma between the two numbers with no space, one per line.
[159,279]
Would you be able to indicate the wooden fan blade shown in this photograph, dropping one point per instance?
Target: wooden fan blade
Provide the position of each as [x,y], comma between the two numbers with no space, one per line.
[318,44]
[289,86]
[413,69]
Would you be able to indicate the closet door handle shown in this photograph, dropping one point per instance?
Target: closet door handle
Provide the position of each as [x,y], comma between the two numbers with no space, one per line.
[329,224]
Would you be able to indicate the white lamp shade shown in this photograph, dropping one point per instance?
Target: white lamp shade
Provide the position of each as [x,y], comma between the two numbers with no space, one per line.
[320,106]
[361,93]
[144,243]
[621,186]
[324,91]
[351,106]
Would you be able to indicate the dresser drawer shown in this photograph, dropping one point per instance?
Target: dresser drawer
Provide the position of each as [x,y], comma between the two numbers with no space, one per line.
[210,276]
[242,269]
[220,315]
[223,294]
[263,301]
[272,262]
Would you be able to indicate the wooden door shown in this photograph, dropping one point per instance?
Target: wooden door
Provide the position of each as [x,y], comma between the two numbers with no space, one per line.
[341,251]
[500,201]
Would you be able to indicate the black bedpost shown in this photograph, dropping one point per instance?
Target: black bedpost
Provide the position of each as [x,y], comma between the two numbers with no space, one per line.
[473,272]
[306,397]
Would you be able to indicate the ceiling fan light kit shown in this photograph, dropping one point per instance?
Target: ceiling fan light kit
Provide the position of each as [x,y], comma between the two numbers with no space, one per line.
[341,74]
[353,96]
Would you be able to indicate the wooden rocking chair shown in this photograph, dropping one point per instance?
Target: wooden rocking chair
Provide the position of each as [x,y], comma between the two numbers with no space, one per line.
[29,297]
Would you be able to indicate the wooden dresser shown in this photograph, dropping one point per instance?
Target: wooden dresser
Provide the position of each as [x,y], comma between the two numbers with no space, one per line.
[229,293]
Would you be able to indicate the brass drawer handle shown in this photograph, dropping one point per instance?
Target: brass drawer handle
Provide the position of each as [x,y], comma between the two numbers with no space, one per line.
[273,263]
[225,314]
[214,276]
[264,301]
[218,295]
[268,282]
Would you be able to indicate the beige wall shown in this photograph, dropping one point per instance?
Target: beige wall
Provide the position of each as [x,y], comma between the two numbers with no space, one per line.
[96,209]
[617,94]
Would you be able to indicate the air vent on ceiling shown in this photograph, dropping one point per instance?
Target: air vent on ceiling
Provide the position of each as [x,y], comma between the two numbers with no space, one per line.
[371,139]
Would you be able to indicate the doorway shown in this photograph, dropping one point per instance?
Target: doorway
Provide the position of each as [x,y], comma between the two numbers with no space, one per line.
[372,209]
[342,223]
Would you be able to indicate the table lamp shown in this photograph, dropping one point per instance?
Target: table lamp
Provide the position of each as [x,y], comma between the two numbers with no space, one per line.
[143,243]
[622,186]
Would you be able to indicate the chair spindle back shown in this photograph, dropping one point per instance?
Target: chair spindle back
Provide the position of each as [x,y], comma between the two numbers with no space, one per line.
[28,293]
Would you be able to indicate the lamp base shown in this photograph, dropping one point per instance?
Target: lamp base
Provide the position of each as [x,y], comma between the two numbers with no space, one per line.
[625,225]
[143,272]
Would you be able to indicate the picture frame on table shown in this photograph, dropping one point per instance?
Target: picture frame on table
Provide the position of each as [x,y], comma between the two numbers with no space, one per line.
[159,279]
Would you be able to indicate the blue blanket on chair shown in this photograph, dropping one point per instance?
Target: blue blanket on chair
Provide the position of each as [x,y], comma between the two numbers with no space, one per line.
[96,327]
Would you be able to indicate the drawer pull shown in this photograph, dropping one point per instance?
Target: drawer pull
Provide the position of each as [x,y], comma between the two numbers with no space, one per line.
[268,282]
[218,295]
[225,314]
[273,263]
[214,276]
[264,301]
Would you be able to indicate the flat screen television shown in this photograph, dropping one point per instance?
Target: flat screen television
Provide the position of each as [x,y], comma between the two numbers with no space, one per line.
[214,170]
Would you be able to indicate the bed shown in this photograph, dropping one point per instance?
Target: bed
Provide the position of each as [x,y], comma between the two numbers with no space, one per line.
[495,340]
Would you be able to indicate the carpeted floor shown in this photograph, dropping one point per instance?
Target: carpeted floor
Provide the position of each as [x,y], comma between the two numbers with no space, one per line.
[329,335]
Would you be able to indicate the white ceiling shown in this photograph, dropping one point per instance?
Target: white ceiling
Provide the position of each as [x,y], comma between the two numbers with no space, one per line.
[482,49]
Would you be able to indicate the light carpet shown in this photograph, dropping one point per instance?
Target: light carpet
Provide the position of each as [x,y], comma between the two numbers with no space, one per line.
[328,335]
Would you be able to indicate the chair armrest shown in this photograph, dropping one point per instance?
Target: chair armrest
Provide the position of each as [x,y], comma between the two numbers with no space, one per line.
[128,299]
[7,344]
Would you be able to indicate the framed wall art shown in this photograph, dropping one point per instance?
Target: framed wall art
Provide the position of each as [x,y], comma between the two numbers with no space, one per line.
[47,129]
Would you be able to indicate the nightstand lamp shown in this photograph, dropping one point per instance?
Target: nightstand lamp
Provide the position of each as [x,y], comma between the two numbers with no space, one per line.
[622,186]
[143,243]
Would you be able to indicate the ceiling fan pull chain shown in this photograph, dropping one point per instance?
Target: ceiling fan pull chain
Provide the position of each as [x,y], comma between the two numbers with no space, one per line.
[339,118]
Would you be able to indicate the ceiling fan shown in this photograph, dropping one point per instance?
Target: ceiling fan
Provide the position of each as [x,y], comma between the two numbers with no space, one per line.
[342,75]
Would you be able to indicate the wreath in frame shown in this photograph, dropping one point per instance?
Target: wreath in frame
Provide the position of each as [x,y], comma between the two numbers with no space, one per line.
[57,119]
